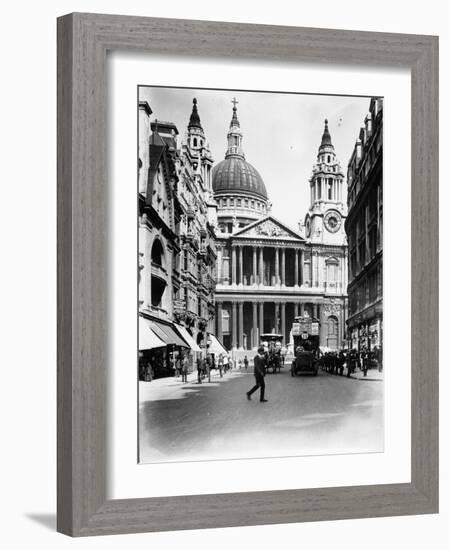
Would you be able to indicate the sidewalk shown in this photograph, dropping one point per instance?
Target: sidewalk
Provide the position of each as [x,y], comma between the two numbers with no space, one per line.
[372,375]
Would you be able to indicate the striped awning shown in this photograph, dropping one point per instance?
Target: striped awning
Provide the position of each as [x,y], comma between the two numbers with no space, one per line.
[168,334]
[186,336]
[147,338]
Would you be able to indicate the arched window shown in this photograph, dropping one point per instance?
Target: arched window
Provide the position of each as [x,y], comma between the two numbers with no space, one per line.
[157,253]
[195,142]
[329,158]
[333,332]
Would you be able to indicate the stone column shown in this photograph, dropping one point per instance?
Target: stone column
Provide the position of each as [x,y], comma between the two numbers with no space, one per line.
[283,266]
[283,321]
[277,266]
[219,321]
[315,311]
[302,309]
[233,265]
[296,309]
[255,267]
[261,266]
[241,324]
[261,318]
[234,325]
[277,316]
[241,265]
[296,278]
[302,266]
[255,325]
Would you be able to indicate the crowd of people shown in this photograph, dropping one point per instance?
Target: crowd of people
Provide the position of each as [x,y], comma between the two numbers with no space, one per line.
[336,362]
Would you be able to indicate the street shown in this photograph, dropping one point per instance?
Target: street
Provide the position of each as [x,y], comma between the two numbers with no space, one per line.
[304,415]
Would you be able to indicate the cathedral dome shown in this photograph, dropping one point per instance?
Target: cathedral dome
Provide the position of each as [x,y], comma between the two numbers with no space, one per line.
[236,175]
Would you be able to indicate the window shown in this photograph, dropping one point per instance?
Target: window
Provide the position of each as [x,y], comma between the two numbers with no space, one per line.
[246,203]
[239,202]
[231,202]
[253,204]
[328,158]
[332,326]
[158,287]
[157,253]
[195,142]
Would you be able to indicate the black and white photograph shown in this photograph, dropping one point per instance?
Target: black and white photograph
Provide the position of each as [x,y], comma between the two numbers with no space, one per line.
[260,274]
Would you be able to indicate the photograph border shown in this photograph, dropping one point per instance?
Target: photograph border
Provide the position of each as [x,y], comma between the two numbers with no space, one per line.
[83,292]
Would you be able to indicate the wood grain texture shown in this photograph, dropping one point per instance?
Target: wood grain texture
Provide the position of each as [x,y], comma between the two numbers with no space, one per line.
[83,243]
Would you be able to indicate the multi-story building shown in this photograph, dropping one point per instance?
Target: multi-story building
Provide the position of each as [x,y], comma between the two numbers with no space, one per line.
[177,213]
[268,273]
[364,228]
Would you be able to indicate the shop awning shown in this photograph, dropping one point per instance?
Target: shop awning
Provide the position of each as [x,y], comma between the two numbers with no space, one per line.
[168,335]
[147,338]
[187,337]
[215,346]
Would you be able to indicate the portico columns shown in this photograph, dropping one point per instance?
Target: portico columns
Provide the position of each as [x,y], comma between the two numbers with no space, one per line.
[296,267]
[296,309]
[219,320]
[241,324]
[261,266]
[255,267]
[234,324]
[283,321]
[261,318]
[277,267]
[302,310]
[315,309]
[277,316]
[302,262]
[233,265]
[283,266]
[255,325]
[241,266]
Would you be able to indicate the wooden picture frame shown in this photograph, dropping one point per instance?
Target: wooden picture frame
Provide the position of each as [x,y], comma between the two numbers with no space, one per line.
[83,41]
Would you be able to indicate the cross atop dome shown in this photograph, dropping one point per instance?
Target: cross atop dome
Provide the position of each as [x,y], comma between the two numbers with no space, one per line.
[234,120]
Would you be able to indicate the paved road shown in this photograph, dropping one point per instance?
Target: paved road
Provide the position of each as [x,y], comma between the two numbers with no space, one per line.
[304,415]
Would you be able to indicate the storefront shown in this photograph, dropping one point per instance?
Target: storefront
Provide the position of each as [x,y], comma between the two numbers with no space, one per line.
[159,346]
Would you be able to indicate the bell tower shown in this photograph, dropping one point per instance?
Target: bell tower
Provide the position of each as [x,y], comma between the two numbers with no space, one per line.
[324,222]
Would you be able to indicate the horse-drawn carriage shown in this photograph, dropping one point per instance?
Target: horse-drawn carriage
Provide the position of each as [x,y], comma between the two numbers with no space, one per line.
[273,345]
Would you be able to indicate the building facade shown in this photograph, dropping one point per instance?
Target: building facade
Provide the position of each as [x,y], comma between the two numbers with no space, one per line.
[364,228]
[268,274]
[177,214]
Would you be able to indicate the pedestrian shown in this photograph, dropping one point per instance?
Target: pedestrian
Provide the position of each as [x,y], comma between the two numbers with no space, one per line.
[240,364]
[230,363]
[220,365]
[246,362]
[178,366]
[365,362]
[199,370]
[184,368]
[208,368]
[260,373]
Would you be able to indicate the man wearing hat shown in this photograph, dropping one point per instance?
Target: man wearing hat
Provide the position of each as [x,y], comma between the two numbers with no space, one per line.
[260,373]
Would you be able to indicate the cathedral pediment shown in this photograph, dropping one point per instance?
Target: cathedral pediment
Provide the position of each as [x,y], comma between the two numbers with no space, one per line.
[268,228]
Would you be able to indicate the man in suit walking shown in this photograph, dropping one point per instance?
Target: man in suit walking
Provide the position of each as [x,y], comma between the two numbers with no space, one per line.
[260,373]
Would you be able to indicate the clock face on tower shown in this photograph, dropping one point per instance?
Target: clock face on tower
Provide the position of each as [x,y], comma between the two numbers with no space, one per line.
[308,227]
[332,221]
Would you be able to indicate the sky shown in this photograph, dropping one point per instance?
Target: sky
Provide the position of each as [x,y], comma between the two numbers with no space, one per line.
[281,134]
